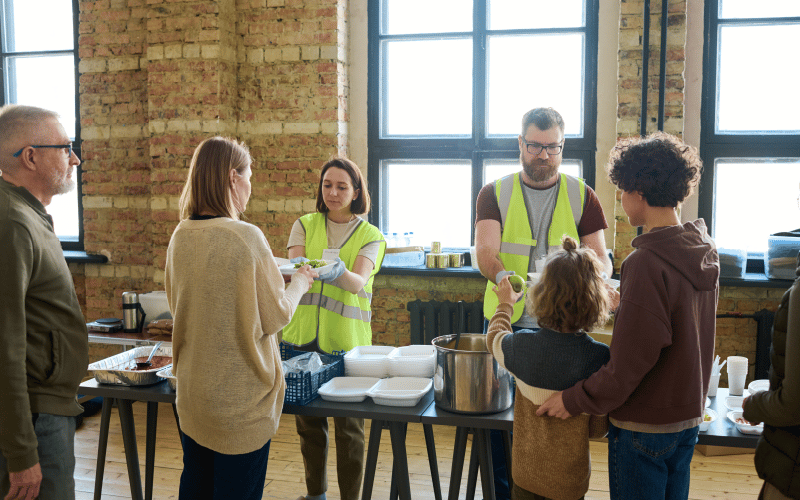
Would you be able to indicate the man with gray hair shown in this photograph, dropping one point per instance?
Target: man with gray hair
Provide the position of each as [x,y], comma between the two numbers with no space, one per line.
[43,337]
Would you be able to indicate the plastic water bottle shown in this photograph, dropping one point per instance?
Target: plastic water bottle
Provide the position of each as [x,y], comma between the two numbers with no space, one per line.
[407,239]
[393,241]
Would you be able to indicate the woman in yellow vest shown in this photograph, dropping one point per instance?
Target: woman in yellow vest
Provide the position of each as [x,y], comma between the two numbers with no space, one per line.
[335,314]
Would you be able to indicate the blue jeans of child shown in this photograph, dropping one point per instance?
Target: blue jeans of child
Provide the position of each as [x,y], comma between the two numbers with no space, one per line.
[208,475]
[649,465]
[56,448]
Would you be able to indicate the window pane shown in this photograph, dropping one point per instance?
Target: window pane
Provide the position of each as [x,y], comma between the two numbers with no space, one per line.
[45,81]
[495,169]
[431,198]
[428,87]
[521,77]
[531,14]
[40,25]
[775,107]
[746,190]
[764,8]
[424,16]
[64,210]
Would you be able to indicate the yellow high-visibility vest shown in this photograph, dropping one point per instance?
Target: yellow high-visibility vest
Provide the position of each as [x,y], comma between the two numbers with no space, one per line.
[517,243]
[340,320]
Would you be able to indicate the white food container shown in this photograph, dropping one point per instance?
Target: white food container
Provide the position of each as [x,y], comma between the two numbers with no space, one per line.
[705,424]
[400,391]
[744,428]
[347,389]
[758,386]
[367,361]
[413,361]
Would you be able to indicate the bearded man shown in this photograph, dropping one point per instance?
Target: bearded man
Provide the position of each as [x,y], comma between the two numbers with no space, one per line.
[520,216]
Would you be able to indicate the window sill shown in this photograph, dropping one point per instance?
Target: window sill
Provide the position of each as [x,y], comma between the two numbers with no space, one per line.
[750,280]
[80,257]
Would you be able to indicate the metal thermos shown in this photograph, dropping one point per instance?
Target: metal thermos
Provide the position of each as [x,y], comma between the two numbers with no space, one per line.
[130,313]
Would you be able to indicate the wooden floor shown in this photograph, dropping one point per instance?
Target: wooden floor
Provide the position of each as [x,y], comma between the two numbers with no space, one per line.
[719,477]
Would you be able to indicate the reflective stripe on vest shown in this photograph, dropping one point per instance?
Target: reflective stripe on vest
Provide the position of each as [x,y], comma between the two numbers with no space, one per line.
[340,320]
[517,243]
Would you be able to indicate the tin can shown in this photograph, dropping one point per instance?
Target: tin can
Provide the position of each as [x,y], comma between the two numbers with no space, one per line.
[436,247]
[456,259]
[442,260]
[430,260]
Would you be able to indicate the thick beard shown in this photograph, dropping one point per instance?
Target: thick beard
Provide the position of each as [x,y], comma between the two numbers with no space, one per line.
[539,171]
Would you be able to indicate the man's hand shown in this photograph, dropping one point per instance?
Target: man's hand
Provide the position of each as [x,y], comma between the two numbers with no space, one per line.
[554,407]
[506,294]
[25,484]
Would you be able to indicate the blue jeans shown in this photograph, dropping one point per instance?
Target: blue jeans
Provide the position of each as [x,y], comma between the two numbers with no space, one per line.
[649,465]
[56,448]
[216,476]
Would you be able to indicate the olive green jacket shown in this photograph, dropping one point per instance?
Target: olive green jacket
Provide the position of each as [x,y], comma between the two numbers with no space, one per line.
[44,345]
[777,458]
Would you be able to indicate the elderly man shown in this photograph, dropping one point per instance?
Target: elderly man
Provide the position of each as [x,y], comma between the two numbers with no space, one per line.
[521,216]
[43,338]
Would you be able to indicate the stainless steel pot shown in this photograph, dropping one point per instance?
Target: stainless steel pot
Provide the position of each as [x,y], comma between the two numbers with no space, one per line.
[469,380]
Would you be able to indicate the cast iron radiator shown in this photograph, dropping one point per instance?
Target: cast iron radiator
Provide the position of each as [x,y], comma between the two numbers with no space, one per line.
[764,320]
[432,319]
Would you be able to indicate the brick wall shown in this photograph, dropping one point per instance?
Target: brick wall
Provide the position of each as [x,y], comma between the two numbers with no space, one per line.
[157,77]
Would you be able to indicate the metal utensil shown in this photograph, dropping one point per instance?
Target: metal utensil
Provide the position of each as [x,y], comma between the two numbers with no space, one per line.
[146,364]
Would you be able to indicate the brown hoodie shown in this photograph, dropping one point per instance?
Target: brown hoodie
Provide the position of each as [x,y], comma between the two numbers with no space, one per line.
[662,347]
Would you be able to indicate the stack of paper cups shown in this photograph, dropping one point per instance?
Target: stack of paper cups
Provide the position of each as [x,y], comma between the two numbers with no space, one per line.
[737,373]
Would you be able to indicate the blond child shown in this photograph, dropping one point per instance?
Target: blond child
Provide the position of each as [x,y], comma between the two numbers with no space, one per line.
[551,456]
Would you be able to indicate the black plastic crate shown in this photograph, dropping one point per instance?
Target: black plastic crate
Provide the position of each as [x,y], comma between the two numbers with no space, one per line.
[302,388]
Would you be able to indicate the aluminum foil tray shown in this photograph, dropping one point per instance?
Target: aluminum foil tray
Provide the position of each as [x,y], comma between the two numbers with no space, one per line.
[118,370]
[171,378]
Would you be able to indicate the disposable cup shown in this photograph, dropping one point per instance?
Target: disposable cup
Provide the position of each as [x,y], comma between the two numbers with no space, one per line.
[736,383]
[713,384]
[737,363]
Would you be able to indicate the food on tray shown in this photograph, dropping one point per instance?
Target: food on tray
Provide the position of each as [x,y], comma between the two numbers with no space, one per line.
[160,327]
[156,362]
[313,263]
[516,282]
[741,420]
[707,417]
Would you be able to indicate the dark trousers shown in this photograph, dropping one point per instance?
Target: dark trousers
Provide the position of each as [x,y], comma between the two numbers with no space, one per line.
[209,475]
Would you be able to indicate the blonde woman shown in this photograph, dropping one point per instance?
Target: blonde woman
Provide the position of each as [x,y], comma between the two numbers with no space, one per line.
[551,456]
[228,300]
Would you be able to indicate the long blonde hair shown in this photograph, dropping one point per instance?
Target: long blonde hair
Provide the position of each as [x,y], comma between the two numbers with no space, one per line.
[208,186]
[571,294]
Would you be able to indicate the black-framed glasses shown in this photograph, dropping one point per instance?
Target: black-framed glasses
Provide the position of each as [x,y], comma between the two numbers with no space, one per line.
[535,148]
[66,147]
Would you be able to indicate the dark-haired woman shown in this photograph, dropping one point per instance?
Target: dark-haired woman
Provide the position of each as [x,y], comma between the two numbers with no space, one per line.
[335,314]
[228,299]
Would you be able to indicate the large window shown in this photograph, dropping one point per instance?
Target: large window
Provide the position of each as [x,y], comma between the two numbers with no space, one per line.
[751,122]
[39,68]
[449,82]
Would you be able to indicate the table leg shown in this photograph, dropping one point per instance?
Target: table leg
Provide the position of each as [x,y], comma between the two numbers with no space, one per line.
[459,449]
[430,444]
[177,420]
[487,468]
[372,458]
[129,440]
[105,420]
[474,462]
[507,442]
[150,449]
[398,434]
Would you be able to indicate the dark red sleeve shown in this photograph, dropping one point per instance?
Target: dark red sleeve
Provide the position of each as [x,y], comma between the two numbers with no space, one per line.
[593,218]
[486,207]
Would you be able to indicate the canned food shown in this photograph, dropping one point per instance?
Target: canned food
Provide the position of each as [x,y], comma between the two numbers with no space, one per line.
[430,260]
[436,247]
[442,260]
[456,259]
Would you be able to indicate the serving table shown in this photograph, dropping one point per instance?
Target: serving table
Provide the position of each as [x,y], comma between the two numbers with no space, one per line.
[722,432]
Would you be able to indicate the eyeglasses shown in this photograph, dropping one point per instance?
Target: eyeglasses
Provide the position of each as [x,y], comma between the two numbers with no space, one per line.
[66,147]
[536,149]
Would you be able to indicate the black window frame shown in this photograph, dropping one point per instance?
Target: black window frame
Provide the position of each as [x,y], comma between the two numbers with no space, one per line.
[714,145]
[5,82]
[478,147]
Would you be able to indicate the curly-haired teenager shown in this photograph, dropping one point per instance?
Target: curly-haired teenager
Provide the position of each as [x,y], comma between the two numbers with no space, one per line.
[654,387]
[551,456]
